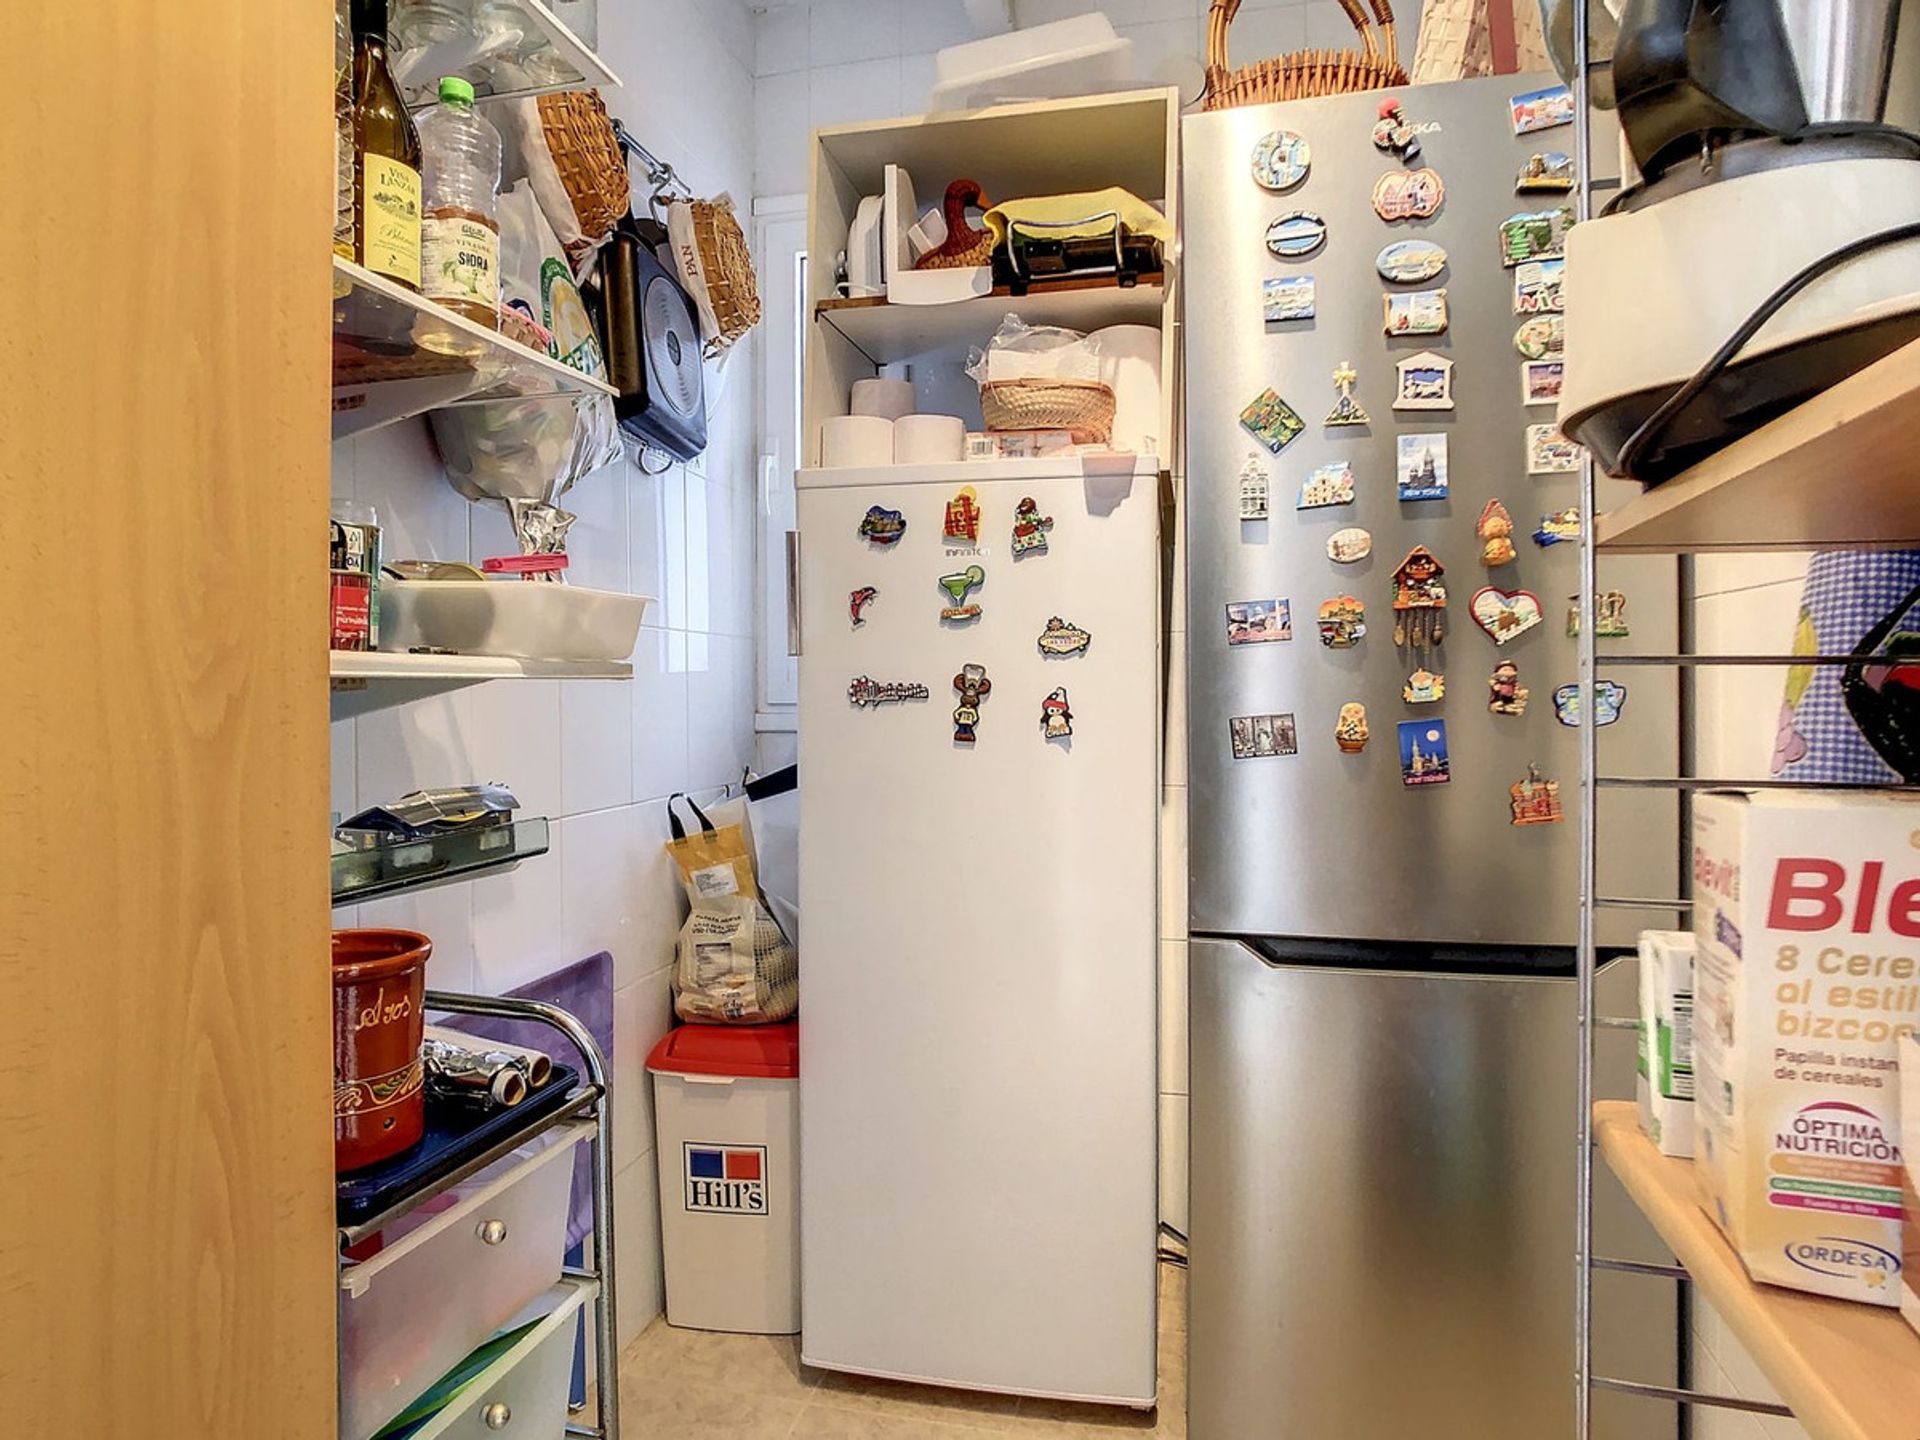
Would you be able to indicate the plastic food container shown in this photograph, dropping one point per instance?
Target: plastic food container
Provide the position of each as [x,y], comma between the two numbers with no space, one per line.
[520,619]
[413,1310]
[1078,56]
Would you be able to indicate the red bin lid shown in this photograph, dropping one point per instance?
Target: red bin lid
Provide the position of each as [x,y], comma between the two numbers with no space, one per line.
[755,1052]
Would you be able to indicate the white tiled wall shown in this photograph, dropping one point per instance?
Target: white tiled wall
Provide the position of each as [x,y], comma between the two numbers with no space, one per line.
[598,757]
[835,62]
[1743,605]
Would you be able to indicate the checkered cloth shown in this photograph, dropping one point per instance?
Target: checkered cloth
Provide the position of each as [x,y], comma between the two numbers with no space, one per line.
[1847,594]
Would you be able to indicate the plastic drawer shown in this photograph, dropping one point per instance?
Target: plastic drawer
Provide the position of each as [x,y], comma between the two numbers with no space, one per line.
[411,1312]
[523,1394]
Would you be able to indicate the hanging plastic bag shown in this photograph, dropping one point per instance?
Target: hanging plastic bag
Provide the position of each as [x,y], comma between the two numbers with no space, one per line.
[732,963]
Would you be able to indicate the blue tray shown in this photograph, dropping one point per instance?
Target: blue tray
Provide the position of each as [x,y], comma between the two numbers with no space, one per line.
[455,1134]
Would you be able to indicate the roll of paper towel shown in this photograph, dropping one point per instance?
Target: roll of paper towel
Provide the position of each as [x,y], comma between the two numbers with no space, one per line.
[929,439]
[1130,362]
[856,440]
[889,399]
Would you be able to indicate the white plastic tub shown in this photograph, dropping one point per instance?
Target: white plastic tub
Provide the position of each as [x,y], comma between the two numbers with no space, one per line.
[522,619]
[1077,56]
[411,1312]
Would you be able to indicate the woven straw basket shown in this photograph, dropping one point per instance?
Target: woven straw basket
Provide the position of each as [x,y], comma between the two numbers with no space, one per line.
[587,157]
[1083,406]
[1303,74]
[726,267]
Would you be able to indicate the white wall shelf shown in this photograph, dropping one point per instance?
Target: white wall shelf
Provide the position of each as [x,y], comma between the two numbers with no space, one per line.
[396,355]
[367,680]
[1838,472]
[886,333]
[550,54]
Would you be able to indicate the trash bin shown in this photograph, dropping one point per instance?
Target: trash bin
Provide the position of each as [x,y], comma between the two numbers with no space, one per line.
[726,1102]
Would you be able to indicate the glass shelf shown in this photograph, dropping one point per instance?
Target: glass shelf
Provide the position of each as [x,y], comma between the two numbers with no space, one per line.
[397,355]
[508,48]
[359,875]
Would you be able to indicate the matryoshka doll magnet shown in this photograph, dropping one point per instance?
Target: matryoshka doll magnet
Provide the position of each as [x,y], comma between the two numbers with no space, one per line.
[1496,535]
[1350,730]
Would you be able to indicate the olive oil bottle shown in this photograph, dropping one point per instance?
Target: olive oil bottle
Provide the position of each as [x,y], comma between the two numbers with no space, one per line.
[386,183]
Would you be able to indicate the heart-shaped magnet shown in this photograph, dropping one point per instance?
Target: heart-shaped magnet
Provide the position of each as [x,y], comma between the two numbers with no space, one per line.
[1504,614]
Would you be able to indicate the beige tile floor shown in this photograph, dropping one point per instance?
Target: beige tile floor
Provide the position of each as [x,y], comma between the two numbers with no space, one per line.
[671,1389]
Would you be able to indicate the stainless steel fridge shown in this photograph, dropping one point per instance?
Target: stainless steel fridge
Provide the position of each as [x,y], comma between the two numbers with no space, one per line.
[1381,1005]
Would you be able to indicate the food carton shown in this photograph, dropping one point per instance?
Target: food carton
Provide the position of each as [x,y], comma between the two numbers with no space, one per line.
[1806,977]
[1910,1191]
[1664,1085]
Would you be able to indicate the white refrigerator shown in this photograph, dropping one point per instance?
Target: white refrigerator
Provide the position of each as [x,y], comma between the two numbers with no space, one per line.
[979,982]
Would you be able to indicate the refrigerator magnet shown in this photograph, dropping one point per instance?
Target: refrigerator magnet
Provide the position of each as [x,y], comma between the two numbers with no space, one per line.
[1343,622]
[1259,622]
[1544,109]
[1423,753]
[1415,312]
[1296,235]
[1495,529]
[1536,288]
[882,526]
[864,692]
[1558,527]
[1272,421]
[1540,381]
[1410,262]
[1030,528]
[1505,614]
[1609,615]
[1423,687]
[1329,484]
[1549,452]
[1409,195]
[1609,699]
[1349,547]
[973,687]
[1535,235]
[1426,379]
[1536,801]
[1253,489]
[1350,729]
[1286,297]
[1505,694]
[963,518]
[1056,716]
[857,602]
[1281,161]
[958,586]
[1542,338]
[1421,471]
[1259,736]
[1394,133]
[1060,638]
[1545,172]
[1346,410]
[1419,600]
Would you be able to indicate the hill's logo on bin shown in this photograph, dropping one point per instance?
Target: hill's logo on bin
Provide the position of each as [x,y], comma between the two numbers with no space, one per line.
[726,1179]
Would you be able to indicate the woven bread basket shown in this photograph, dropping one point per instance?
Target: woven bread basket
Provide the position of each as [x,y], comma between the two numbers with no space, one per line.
[1083,406]
[586,156]
[719,272]
[1303,74]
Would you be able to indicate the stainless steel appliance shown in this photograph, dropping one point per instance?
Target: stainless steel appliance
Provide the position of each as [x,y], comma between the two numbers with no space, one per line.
[1382,1079]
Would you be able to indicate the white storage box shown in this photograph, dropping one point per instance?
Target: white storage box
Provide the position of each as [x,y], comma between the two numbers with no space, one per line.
[1664,1084]
[412,1311]
[1078,56]
[726,1102]
[521,619]
[524,1392]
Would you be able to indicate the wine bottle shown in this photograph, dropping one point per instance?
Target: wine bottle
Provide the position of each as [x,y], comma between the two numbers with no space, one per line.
[386,189]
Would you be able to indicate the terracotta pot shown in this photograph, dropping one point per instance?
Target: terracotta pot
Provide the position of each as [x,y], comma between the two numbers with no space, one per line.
[379,981]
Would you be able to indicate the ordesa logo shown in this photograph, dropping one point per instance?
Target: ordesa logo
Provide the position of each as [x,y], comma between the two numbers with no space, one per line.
[1839,1258]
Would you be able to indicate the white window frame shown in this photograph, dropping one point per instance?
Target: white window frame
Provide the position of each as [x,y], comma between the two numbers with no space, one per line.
[780,249]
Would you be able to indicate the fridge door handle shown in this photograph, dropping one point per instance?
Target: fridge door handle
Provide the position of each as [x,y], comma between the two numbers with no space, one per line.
[793,592]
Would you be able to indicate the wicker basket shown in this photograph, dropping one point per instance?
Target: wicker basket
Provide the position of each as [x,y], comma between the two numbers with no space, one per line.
[1083,406]
[1303,74]
[591,168]
[721,268]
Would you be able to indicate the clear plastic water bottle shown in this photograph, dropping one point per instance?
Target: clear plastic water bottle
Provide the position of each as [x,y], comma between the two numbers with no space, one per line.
[460,231]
